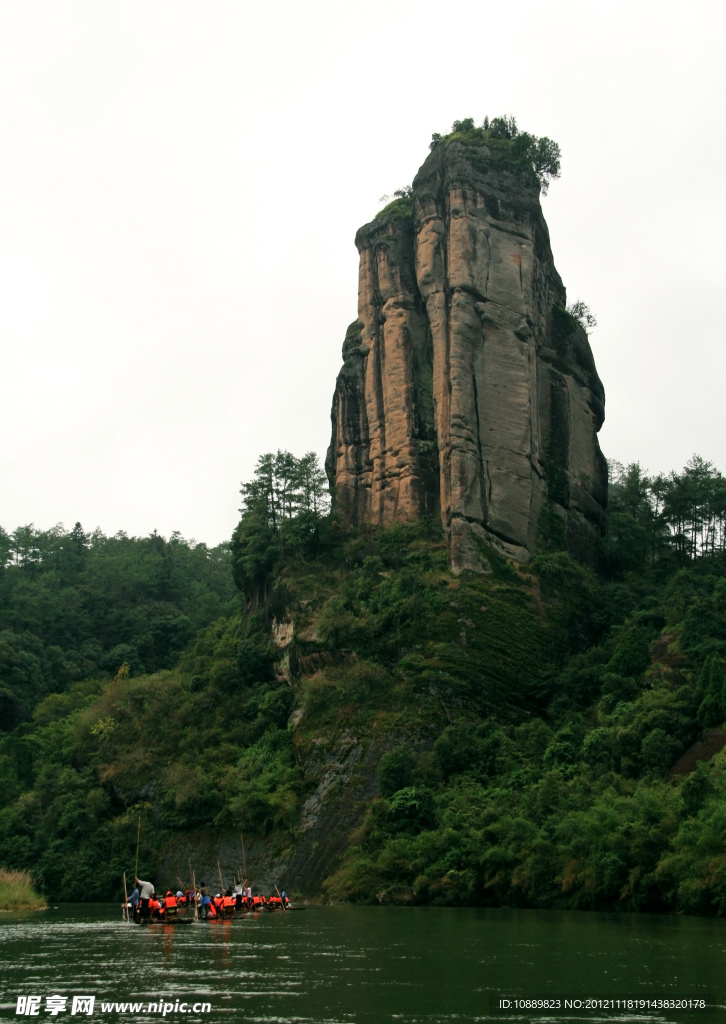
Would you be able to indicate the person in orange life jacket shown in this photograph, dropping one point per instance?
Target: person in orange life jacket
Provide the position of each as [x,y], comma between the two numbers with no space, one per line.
[155,907]
[146,892]
[170,903]
[228,902]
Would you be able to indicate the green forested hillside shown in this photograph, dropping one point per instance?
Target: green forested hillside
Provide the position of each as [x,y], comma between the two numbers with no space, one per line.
[510,736]
[76,606]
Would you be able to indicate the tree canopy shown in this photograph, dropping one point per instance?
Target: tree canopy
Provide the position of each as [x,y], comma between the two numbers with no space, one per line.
[283,510]
[77,606]
[674,516]
[509,144]
[521,738]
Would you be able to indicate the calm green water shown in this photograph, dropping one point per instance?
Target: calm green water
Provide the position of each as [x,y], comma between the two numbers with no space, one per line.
[351,965]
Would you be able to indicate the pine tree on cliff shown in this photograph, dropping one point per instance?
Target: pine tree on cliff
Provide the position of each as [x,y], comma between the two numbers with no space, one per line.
[283,507]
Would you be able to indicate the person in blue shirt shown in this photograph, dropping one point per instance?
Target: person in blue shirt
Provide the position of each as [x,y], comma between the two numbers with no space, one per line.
[134,901]
[206,900]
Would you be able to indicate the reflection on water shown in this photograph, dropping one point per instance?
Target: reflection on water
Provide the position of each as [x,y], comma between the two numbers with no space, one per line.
[337,965]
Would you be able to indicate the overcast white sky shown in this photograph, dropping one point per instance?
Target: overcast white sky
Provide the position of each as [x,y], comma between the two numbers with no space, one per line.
[180,186]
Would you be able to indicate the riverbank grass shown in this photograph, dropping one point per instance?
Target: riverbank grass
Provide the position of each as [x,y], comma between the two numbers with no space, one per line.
[16,892]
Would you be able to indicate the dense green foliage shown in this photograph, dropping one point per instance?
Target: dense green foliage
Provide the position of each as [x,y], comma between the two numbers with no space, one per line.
[510,148]
[285,509]
[536,159]
[198,748]
[569,805]
[664,520]
[521,727]
[401,205]
[76,606]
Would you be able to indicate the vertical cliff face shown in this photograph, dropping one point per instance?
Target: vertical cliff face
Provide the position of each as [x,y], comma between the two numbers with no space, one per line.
[467,390]
[384,455]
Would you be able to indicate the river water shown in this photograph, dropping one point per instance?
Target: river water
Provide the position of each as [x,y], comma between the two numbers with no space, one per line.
[363,965]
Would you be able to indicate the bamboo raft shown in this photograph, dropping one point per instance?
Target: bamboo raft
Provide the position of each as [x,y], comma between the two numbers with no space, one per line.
[190,914]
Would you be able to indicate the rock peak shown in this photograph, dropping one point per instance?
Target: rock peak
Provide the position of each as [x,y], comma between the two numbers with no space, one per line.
[467,390]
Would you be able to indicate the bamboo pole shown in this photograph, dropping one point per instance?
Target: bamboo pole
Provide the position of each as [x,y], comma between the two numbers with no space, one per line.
[221,883]
[138,836]
[126,902]
[194,891]
[281,899]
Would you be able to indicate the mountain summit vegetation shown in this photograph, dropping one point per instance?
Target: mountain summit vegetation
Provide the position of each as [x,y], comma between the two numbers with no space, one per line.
[510,147]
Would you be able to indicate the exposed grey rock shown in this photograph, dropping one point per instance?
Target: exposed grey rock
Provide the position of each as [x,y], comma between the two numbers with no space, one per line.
[467,391]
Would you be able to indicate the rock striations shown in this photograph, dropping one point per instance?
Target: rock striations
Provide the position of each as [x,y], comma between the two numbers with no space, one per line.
[467,390]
